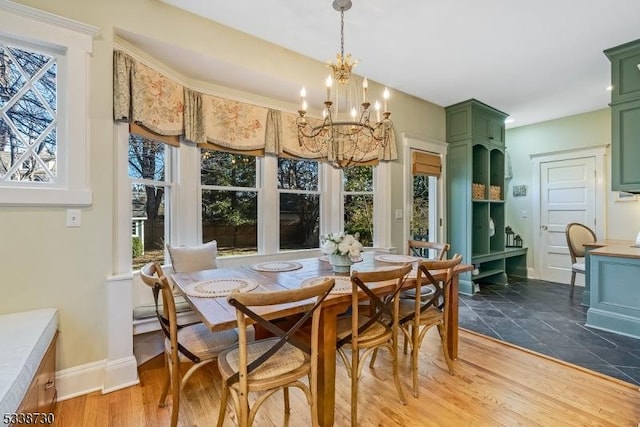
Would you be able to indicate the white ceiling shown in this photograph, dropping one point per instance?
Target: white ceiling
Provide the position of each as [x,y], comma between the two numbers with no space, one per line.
[535,60]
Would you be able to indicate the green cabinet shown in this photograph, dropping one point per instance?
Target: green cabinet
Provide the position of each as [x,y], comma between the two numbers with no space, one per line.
[475,190]
[625,116]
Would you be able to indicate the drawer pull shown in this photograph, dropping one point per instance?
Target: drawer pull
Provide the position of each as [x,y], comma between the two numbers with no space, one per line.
[48,385]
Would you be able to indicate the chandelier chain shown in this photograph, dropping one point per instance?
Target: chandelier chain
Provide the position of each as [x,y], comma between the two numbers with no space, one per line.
[342,34]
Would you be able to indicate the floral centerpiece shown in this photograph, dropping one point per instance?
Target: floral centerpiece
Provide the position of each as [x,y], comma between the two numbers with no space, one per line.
[342,249]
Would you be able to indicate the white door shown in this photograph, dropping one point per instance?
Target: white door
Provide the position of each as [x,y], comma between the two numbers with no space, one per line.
[567,194]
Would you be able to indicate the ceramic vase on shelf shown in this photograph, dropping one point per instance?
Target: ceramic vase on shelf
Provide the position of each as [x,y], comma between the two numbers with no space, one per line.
[340,263]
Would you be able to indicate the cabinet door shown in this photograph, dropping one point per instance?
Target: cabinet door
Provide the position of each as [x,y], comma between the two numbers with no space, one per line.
[625,76]
[625,147]
[496,131]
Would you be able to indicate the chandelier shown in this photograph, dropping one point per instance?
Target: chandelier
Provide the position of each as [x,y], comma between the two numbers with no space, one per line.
[345,132]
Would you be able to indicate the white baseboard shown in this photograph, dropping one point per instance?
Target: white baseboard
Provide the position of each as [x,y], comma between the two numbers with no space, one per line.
[103,375]
[120,374]
[79,380]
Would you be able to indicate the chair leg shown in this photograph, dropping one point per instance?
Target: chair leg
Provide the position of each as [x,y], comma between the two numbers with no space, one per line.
[373,358]
[406,340]
[414,361]
[175,394]
[573,283]
[354,388]
[165,386]
[287,406]
[223,403]
[396,374]
[443,338]
[243,413]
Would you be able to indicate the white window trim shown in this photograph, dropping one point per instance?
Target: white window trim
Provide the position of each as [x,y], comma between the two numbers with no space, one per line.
[76,40]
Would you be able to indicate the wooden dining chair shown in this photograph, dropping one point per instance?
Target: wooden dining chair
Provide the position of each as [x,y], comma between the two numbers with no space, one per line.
[423,249]
[271,364]
[194,344]
[417,316]
[366,330]
[577,235]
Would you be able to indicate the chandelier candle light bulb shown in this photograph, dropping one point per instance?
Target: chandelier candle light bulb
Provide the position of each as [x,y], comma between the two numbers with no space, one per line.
[329,83]
[303,102]
[365,85]
[385,95]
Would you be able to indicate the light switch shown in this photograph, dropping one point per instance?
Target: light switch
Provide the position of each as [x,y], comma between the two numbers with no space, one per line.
[524,214]
[398,213]
[74,217]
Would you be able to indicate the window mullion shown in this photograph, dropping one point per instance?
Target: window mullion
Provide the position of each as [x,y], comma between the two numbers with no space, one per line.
[269,207]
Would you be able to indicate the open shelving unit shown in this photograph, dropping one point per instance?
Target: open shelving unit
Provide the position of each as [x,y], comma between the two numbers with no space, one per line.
[476,188]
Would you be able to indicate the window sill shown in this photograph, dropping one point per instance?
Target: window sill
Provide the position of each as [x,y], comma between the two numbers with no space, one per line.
[44,197]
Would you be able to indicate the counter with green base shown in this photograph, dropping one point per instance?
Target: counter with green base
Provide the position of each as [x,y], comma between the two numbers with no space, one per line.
[614,281]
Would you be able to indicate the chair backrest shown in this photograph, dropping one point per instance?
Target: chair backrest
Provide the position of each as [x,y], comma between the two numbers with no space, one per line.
[421,248]
[153,276]
[442,287]
[379,305]
[577,235]
[243,302]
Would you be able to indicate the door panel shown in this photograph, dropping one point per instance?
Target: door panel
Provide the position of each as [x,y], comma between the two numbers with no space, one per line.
[567,193]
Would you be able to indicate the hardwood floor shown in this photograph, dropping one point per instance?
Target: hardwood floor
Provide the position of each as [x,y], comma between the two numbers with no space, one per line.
[495,384]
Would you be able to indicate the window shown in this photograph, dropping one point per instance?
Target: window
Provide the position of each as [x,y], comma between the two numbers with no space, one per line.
[299,204]
[358,202]
[43,83]
[150,177]
[229,201]
[28,115]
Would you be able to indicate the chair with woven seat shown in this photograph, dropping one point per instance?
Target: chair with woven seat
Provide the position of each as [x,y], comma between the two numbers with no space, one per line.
[372,329]
[417,316]
[423,249]
[577,236]
[183,343]
[271,364]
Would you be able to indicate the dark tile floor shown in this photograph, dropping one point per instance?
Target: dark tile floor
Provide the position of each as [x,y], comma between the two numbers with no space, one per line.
[540,316]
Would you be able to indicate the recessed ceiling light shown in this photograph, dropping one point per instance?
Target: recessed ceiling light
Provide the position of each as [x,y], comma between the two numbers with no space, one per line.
[610,88]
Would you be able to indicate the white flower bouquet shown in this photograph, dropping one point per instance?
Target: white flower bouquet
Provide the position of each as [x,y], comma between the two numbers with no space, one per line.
[341,244]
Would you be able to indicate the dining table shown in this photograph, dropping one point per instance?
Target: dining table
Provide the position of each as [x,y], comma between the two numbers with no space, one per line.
[217,314]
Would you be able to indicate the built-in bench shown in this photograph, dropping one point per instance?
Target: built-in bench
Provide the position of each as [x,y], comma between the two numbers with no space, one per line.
[27,361]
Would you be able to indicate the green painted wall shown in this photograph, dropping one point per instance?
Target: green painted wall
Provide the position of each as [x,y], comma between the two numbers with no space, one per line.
[579,131]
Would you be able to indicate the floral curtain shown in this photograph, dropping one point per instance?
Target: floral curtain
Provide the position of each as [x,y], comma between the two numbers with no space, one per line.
[146,97]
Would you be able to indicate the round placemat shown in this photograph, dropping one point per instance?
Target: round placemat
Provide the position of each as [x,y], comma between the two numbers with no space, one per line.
[395,259]
[342,286]
[219,287]
[277,266]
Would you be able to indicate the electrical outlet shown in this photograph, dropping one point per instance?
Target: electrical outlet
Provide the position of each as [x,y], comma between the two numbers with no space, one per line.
[74,217]
[524,214]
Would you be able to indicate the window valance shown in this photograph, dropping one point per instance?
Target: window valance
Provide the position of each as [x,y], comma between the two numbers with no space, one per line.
[144,96]
[149,99]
